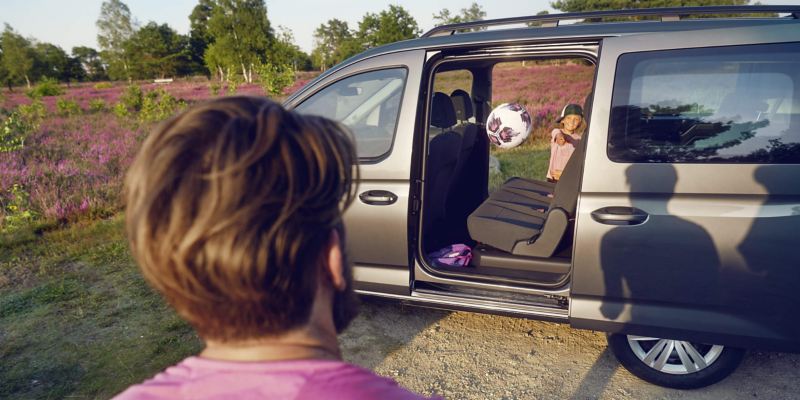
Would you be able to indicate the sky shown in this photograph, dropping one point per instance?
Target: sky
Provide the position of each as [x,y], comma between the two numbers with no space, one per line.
[72,23]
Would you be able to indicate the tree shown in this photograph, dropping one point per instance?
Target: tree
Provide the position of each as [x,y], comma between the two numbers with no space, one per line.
[333,43]
[18,57]
[50,61]
[388,26]
[90,62]
[199,38]
[74,71]
[591,5]
[473,13]
[115,26]
[157,51]
[286,51]
[242,37]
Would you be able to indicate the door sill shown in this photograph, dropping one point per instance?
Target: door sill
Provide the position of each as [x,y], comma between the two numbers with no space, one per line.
[549,309]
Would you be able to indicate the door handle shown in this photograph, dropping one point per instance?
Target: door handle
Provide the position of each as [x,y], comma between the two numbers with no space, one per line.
[378,197]
[617,215]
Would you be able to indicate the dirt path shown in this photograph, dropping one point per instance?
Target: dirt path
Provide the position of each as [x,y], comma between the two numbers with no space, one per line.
[474,356]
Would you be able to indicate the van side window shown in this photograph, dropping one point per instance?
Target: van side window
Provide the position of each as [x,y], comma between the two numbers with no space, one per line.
[367,103]
[738,104]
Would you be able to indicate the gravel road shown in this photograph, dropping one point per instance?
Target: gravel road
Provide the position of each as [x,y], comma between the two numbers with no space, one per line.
[462,355]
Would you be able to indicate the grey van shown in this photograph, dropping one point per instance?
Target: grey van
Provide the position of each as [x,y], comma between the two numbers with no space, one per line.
[675,229]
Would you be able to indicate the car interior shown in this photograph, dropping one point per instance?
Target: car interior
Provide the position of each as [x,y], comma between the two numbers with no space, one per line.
[520,231]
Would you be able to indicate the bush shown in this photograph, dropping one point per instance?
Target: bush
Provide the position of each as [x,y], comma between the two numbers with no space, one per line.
[274,77]
[158,105]
[13,132]
[32,114]
[103,85]
[67,107]
[120,110]
[215,88]
[15,209]
[97,105]
[45,87]
[132,98]
[233,85]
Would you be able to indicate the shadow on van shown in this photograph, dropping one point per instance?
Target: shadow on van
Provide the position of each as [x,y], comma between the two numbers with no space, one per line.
[669,274]
[669,271]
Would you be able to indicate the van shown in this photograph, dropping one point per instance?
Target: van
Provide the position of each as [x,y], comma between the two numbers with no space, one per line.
[675,225]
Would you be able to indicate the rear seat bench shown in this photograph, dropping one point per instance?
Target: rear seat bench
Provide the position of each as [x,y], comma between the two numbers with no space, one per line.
[522,219]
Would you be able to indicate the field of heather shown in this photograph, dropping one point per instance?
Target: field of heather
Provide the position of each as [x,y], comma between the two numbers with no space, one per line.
[78,145]
[544,89]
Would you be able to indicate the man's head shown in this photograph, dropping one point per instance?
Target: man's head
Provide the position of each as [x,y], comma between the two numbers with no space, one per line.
[233,212]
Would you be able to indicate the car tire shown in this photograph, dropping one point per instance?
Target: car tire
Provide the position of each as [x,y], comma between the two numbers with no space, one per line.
[674,363]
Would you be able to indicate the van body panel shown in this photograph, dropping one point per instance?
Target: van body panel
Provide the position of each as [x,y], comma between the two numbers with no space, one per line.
[716,258]
[377,234]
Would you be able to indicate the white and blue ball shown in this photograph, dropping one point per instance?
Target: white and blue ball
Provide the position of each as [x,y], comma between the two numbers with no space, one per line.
[508,125]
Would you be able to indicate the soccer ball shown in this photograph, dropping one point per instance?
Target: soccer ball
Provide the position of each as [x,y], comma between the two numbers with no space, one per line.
[508,125]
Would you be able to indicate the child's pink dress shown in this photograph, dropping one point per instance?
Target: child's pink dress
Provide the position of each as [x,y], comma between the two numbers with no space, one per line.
[559,155]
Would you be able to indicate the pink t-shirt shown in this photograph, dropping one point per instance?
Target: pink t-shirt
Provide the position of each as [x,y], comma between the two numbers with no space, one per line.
[559,155]
[202,378]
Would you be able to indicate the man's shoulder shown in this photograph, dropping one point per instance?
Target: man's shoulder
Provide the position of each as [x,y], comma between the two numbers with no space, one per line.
[353,382]
[195,378]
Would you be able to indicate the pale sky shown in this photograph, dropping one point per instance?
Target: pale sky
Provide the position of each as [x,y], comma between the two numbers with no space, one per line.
[72,23]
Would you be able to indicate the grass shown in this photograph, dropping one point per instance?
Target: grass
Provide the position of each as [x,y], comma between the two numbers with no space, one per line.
[76,317]
[529,161]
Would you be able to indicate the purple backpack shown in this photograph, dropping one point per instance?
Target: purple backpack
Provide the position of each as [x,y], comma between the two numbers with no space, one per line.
[455,255]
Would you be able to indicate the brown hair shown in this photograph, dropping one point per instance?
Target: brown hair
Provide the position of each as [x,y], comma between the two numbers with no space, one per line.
[230,206]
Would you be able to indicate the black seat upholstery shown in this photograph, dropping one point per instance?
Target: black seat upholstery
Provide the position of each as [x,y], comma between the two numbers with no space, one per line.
[443,156]
[524,227]
[469,186]
[463,105]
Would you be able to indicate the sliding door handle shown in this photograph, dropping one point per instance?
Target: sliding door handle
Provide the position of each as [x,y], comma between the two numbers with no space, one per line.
[378,197]
[616,215]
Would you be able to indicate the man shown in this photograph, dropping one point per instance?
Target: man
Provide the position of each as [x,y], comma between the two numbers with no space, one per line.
[234,214]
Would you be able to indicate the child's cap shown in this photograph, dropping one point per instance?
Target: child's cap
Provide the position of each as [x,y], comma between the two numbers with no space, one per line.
[570,109]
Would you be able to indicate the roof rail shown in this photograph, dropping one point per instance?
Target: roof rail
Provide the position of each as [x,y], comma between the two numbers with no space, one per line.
[666,14]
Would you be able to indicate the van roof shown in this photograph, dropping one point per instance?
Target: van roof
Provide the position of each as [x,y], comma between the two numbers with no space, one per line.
[448,36]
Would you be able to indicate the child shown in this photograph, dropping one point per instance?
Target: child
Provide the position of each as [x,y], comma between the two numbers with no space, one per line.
[564,139]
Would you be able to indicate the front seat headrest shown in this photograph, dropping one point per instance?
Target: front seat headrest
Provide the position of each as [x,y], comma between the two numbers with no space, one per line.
[443,114]
[463,104]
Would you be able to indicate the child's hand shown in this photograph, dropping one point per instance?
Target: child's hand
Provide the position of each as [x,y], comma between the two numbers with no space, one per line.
[561,139]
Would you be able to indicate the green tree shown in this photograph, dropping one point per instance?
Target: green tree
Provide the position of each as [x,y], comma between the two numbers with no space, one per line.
[18,57]
[592,5]
[157,51]
[74,71]
[50,61]
[333,43]
[285,50]
[115,26]
[242,38]
[475,12]
[90,62]
[388,26]
[199,38]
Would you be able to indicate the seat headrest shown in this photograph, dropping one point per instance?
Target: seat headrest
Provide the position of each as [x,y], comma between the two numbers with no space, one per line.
[463,104]
[443,114]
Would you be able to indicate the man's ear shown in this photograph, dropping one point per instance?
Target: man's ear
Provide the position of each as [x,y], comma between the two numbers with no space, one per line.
[334,268]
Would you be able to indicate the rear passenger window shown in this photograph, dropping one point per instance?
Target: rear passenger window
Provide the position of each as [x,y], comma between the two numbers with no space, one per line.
[368,104]
[737,104]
